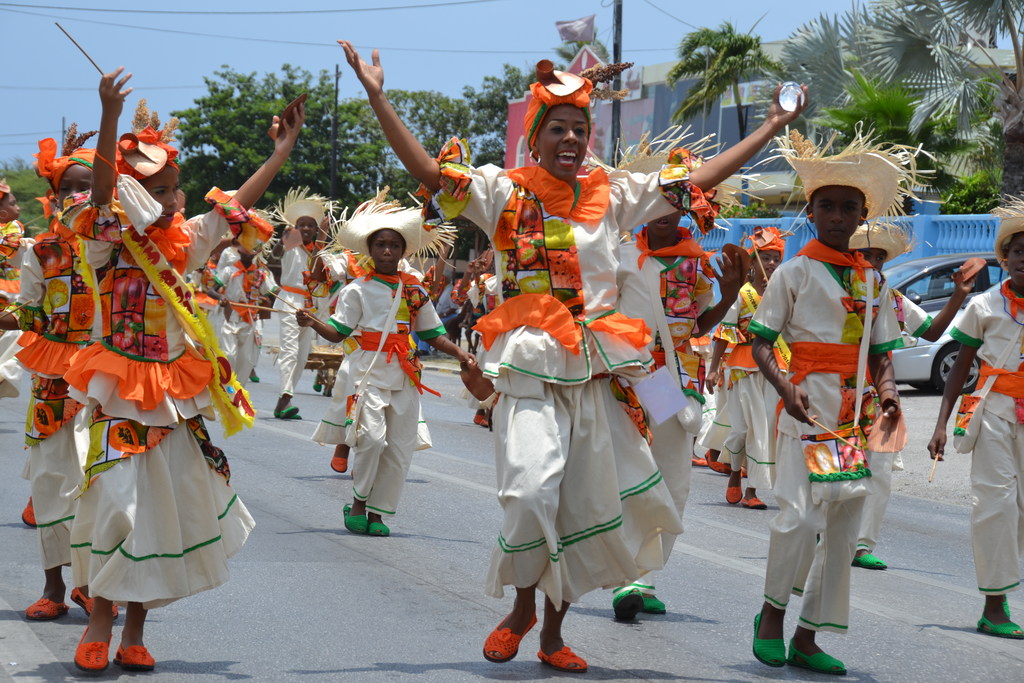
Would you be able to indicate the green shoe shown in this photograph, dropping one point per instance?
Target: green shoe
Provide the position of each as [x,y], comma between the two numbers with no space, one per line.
[770,651]
[255,379]
[868,561]
[318,388]
[820,662]
[1006,630]
[653,605]
[289,413]
[357,524]
[379,529]
[627,603]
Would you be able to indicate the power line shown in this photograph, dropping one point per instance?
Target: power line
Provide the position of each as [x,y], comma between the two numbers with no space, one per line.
[93,88]
[670,16]
[332,46]
[430,5]
[20,135]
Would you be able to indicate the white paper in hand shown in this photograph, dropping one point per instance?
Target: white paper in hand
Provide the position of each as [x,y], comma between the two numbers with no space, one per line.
[141,208]
[660,394]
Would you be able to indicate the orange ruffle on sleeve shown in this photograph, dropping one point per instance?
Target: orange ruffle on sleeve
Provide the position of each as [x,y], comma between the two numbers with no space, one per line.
[542,311]
[145,382]
[11,286]
[45,356]
[633,330]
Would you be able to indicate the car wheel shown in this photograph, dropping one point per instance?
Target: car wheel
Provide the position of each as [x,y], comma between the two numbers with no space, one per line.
[944,364]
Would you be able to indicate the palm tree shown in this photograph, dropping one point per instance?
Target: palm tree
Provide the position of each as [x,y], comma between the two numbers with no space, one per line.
[888,109]
[931,46]
[720,59]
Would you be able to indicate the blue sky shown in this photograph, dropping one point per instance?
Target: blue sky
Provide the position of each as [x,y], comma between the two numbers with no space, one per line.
[437,45]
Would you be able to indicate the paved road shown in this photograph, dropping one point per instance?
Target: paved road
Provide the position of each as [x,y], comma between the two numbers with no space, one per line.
[309,602]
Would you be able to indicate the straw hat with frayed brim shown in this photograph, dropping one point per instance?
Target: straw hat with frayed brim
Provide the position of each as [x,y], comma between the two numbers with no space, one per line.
[1011,222]
[380,213]
[883,173]
[893,239]
[299,202]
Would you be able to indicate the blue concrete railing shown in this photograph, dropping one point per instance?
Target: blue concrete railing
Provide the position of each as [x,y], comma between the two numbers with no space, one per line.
[932,234]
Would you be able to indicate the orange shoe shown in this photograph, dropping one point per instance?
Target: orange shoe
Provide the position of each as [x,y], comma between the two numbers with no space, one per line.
[502,645]
[719,466]
[28,515]
[92,656]
[699,462]
[733,494]
[481,420]
[339,464]
[135,658]
[754,503]
[46,610]
[564,660]
[80,599]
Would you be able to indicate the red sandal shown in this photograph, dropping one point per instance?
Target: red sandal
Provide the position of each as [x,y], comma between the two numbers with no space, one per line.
[80,599]
[134,658]
[564,660]
[46,610]
[504,643]
[733,494]
[754,503]
[92,656]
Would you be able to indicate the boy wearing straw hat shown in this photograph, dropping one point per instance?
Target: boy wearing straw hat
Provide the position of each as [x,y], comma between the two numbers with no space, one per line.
[832,308]
[381,418]
[302,213]
[880,243]
[991,329]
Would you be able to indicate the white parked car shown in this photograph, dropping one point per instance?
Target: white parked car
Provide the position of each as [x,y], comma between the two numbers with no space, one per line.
[928,282]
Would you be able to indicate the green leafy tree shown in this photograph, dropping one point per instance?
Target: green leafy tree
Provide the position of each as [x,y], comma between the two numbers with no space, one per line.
[719,59]
[887,109]
[26,186]
[937,48]
[488,107]
[976,193]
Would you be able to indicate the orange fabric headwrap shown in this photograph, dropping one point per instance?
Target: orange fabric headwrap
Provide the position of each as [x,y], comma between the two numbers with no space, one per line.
[542,102]
[766,239]
[52,167]
[129,142]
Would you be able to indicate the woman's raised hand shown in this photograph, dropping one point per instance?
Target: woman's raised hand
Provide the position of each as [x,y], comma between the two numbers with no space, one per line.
[372,77]
[112,95]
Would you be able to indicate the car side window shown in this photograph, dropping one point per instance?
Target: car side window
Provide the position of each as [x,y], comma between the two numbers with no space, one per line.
[935,285]
[995,276]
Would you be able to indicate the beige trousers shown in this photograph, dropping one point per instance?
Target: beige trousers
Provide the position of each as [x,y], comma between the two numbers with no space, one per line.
[296,343]
[794,554]
[997,509]
[385,441]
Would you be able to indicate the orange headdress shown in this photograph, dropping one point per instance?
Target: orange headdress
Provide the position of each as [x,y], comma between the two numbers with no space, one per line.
[52,167]
[551,89]
[4,187]
[767,239]
[145,151]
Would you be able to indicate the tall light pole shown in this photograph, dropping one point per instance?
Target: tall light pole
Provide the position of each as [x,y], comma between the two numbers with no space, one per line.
[617,83]
[334,136]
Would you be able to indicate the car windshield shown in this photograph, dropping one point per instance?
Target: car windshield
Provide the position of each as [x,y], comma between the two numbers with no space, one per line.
[898,274]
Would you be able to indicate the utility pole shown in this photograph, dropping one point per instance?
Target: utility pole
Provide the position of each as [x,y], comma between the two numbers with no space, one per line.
[617,83]
[334,136]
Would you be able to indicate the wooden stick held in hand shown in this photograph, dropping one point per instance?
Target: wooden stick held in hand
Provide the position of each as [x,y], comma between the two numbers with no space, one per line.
[848,443]
[80,48]
[284,301]
[935,461]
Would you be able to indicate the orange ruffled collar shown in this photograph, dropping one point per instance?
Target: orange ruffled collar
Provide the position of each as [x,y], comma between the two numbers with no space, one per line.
[686,246]
[585,203]
[172,242]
